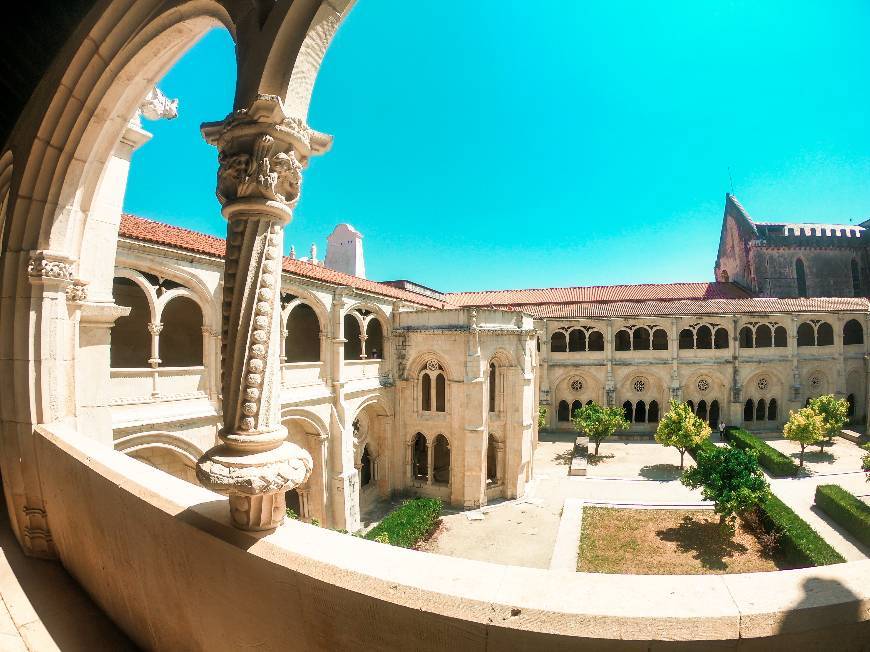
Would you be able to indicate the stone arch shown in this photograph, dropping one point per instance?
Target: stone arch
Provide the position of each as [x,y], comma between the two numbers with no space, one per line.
[418,363]
[641,339]
[853,332]
[352,332]
[720,338]
[763,337]
[622,340]
[181,334]
[420,457]
[563,413]
[659,339]
[806,334]
[441,460]
[576,340]
[6,160]
[824,334]
[130,346]
[780,337]
[303,327]
[704,337]
[558,342]
[595,340]
[165,451]
[687,339]
[747,337]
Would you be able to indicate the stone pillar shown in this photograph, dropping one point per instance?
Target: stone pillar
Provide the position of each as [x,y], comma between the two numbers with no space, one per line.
[610,383]
[261,155]
[155,328]
[795,367]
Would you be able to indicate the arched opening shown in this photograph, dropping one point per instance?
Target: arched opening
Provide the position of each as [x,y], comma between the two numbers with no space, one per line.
[590,402]
[801,278]
[691,405]
[761,410]
[492,374]
[640,339]
[303,335]
[853,332]
[704,337]
[628,411]
[806,335]
[702,410]
[168,460]
[576,340]
[440,393]
[660,340]
[780,337]
[181,337]
[622,340]
[746,338]
[652,414]
[291,499]
[595,341]
[687,339]
[749,410]
[856,279]
[720,338]
[365,470]
[640,412]
[426,392]
[772,410]
[825,334]
[131,341]
[714,414]
[564,411]
[491,460]
[763,337]
[575,405]
[850,399]
[374,339]
[558,342]
[441,461]
[353,344]
[420,457]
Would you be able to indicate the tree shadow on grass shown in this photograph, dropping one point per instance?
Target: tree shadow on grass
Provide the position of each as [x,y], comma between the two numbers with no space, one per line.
[661,472]
[595,460]
[710,543]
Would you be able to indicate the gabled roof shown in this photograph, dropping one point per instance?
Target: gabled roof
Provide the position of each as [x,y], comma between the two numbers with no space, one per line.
[601,294]
[150,231]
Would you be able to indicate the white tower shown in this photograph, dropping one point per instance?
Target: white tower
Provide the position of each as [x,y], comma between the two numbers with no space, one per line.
[344,251]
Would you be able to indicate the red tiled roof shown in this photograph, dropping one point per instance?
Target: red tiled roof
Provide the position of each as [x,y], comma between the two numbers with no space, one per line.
[144,230]
[601,294]
[696,307]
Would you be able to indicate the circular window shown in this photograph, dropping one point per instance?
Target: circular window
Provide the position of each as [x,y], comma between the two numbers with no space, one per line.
[577,385]
[762,384]
[433,365]
[639,385]
[703,385]
[815,381]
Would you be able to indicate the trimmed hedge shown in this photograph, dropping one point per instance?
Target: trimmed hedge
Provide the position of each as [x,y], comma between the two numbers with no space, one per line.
[846,509]
[408,524]
[800,544]
[777,464]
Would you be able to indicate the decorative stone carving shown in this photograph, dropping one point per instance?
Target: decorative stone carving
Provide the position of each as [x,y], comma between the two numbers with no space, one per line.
[77,292]
[47,267]
[158,106]
[639,385]
[762,383]
[703,384]
[261,154]
[577,385]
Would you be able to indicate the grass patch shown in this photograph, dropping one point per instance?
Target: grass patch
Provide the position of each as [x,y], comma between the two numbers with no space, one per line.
[846,509]
[668,542]
[777,464]
[799,543]
[409,523]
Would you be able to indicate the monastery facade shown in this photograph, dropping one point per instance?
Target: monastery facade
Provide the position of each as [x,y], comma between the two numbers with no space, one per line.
[394,388]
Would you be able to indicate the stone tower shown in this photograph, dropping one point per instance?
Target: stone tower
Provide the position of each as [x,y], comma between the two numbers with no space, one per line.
[344,251]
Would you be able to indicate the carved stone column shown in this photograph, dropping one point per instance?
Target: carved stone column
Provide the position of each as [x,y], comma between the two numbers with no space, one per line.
[155,330]
[261,154]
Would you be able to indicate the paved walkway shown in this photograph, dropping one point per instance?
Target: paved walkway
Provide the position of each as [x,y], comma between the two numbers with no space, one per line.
[43,609]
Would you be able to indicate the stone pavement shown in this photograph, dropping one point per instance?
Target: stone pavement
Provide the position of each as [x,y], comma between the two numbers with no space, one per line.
[43,609]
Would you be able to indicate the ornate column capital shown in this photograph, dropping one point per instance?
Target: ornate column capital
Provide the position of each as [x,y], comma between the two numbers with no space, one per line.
[77,291]
[155,328]
[47,268]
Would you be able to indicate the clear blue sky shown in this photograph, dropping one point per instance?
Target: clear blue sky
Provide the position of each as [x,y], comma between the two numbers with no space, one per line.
[496,144]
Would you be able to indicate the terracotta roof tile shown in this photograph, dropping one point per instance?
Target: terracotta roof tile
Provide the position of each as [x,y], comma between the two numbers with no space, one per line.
[144,230]
[601,293]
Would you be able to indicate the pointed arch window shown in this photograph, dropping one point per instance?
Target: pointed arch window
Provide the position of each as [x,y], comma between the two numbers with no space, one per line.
[652,414]
[640,412]
[761,410]
[772,412]
[440,393]
[749,410]
[426,392]
[564,411]
[628,410]
[801,277]
[492,376]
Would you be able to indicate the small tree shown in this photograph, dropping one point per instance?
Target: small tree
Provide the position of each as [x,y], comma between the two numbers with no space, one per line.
[681,429]
[806,427]
[542,417]
[731,478]
[834,412]
[598,423]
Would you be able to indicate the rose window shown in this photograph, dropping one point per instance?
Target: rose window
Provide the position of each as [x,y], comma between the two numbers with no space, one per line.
[815,381]
[433,365]
[762,384]
[703,385]
[576,385]
[639,385]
